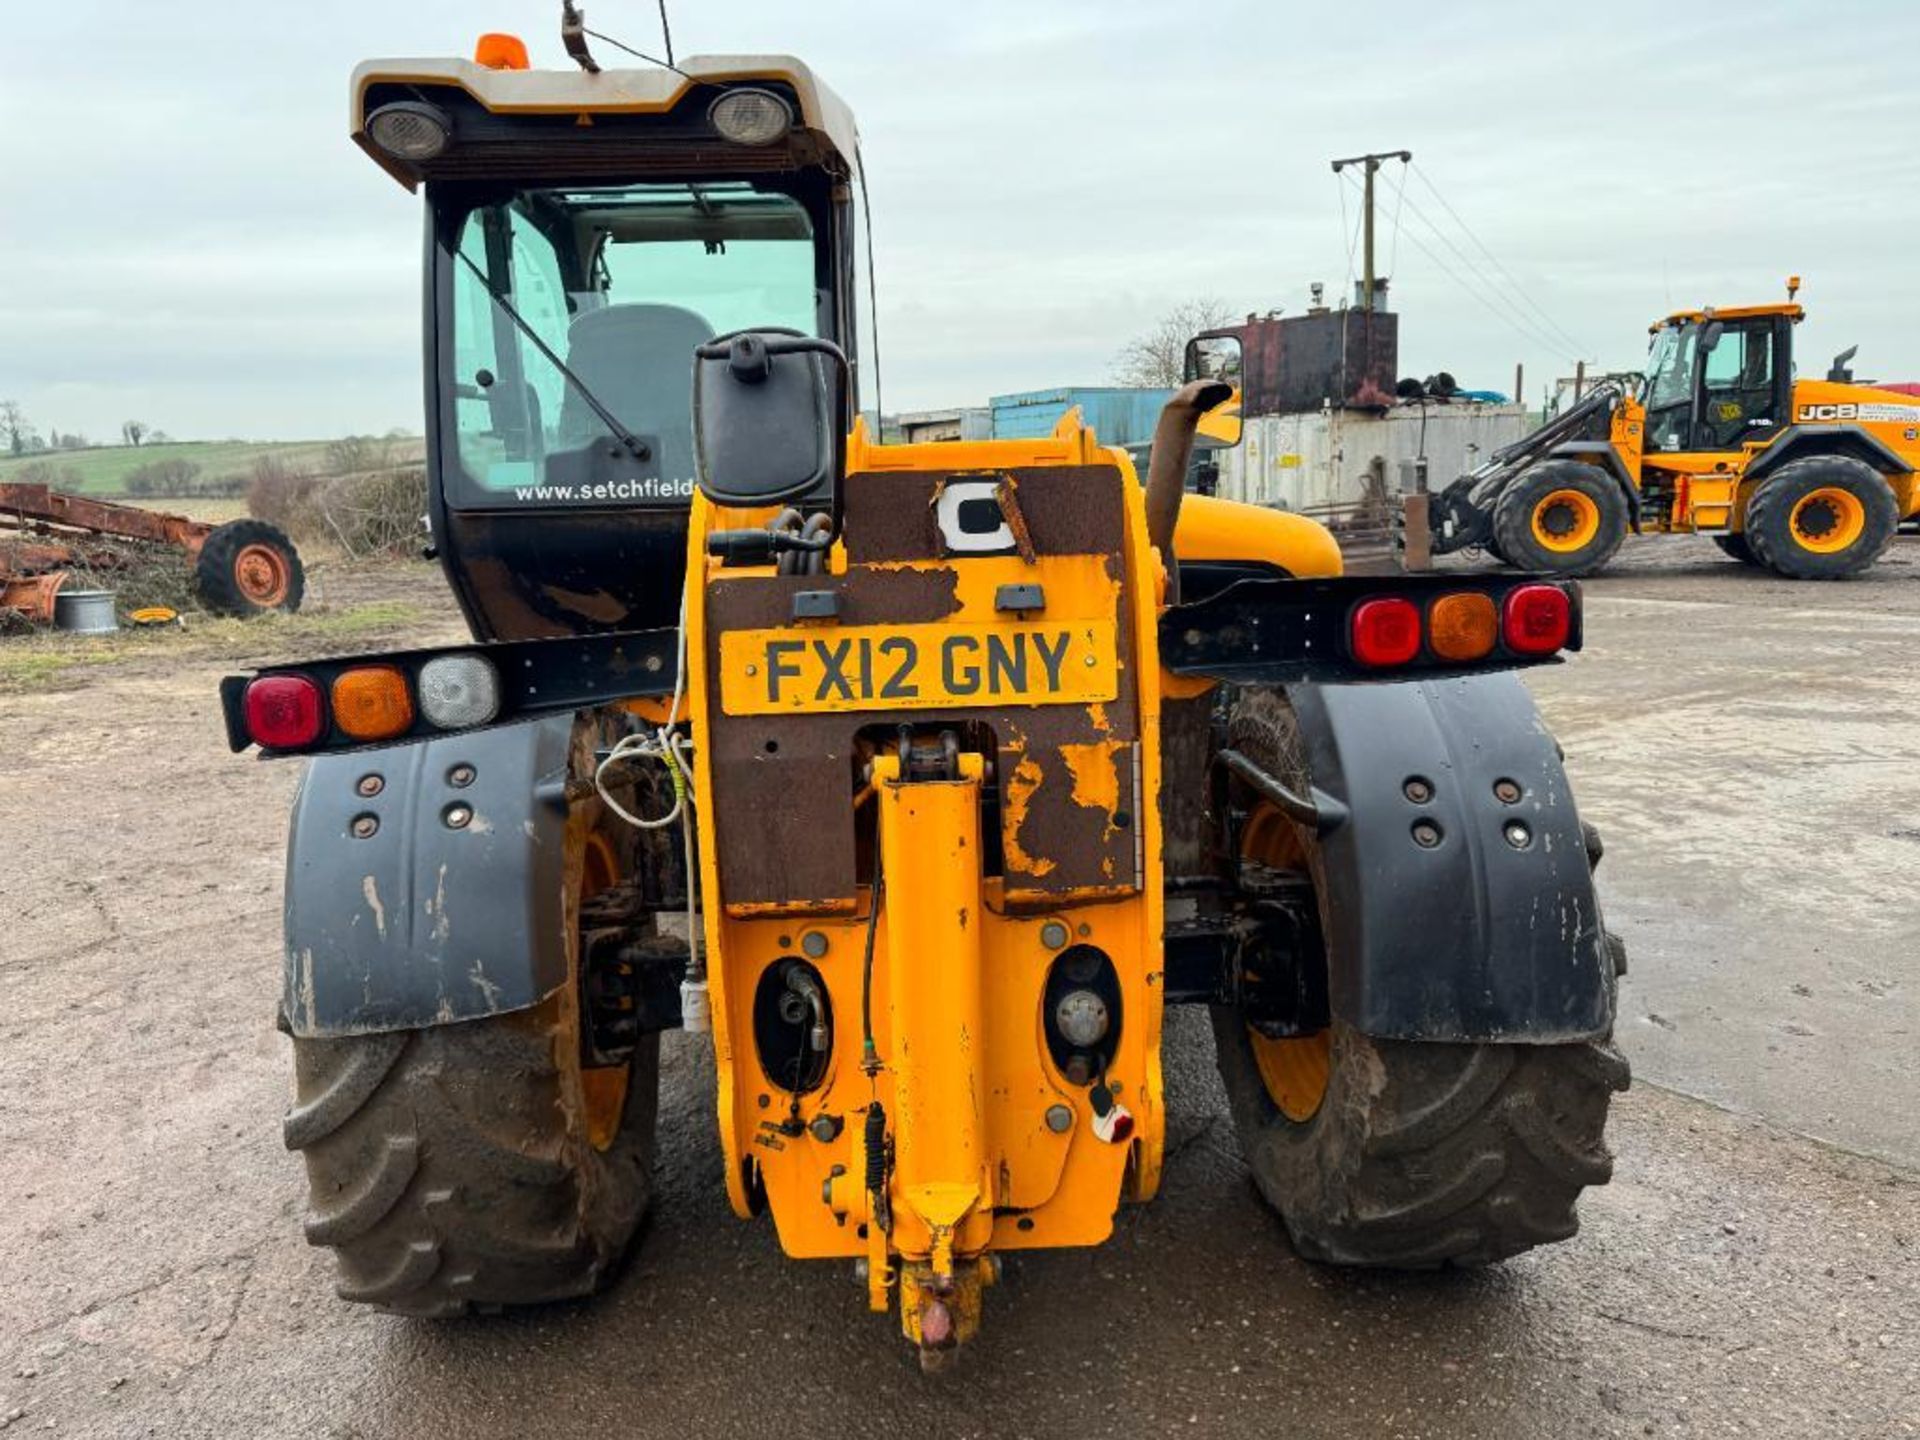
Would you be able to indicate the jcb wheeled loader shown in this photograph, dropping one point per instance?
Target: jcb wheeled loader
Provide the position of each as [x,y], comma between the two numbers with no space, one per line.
[1807,478]
[924,777]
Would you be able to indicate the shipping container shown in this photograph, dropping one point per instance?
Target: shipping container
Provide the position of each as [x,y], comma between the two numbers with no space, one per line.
[1327,461]
[1118,415]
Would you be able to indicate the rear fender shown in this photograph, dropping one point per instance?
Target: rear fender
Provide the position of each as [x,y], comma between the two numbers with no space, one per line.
[397,919]
[1474,939]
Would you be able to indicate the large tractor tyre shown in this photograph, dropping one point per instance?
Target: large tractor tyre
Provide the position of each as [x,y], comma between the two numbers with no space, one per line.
[482,1163]
[449,1168]
[1737,547]
[247,567]
[1562,516]
[1397,1153]
[1823,517]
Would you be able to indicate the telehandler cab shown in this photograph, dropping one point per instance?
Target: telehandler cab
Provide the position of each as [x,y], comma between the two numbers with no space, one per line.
[1807,478]
[923,776]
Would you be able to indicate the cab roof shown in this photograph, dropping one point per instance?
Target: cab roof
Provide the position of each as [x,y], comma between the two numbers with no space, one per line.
[1794,313]
[649,91]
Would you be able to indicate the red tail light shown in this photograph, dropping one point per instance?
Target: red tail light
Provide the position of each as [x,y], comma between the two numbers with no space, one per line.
[1538,619]
[283,712]
[1385,632]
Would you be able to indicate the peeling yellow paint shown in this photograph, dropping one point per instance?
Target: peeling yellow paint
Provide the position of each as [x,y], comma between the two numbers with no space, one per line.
[1096,774]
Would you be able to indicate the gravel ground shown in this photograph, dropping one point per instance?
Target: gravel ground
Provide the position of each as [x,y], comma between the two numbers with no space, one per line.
[1754,1269]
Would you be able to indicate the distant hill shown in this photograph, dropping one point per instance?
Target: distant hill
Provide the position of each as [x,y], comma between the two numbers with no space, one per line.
[104,471]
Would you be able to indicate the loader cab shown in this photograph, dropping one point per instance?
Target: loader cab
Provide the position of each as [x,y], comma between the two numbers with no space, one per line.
[585,234]
[1715,382]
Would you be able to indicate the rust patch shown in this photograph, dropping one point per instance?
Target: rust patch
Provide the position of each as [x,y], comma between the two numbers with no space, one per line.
[1021,785]
[1066,510]
[1007,492]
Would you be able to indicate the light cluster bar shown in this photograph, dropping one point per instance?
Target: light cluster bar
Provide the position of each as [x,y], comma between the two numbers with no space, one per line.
[1277,631]
[349,702]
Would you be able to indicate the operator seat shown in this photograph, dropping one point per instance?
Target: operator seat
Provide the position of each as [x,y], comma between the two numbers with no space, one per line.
[638,361]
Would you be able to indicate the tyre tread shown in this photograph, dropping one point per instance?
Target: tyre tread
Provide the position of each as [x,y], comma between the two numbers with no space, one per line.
[444,1177]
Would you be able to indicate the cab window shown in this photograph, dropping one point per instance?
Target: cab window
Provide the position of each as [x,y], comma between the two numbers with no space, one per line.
[1737,386]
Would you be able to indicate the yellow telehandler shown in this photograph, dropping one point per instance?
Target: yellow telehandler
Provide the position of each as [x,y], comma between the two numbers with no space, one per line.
[1807,478]
[921,778]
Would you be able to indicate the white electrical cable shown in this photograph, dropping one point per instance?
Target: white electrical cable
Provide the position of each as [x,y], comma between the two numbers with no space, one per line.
[670,748]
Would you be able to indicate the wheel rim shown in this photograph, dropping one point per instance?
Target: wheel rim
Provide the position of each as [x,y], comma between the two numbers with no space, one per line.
[263,575]
[1565,521]
[1827,520]
[1294,1069]
[603,1088]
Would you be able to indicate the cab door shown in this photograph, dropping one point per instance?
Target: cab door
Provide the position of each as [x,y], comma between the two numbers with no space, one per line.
[1741,397]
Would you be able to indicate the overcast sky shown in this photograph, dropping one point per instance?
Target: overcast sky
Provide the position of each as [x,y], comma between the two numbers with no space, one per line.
[187,236]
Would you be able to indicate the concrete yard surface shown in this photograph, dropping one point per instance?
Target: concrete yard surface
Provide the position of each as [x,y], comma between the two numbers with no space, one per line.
[1753,1269]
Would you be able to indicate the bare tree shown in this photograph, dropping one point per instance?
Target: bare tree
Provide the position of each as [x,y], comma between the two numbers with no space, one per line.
[133,431]
[15,429]
[1157,358]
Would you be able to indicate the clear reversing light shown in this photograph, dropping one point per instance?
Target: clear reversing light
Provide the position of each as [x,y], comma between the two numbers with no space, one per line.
[410,129]
[750,117]
[458,691]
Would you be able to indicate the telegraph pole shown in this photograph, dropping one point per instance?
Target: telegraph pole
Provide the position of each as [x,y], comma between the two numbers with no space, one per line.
[1371,164]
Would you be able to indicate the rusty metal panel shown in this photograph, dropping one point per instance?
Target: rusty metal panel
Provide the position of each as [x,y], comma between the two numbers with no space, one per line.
[38,506]
[1066,776]
[1303,362]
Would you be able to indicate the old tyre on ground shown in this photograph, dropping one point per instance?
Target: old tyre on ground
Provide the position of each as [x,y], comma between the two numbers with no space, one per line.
[1737,547]
[1562,516]
[476,1164]
[1403,1153]
[1822,517]
[246,567]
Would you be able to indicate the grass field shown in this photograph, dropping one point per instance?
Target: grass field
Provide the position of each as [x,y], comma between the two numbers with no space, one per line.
[104,471]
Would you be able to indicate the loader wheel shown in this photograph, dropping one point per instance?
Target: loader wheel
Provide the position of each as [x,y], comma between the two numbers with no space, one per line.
[1823,517]
[1562,517]
[1398,1153]
[246,567]
[477,1164]
[1737,547]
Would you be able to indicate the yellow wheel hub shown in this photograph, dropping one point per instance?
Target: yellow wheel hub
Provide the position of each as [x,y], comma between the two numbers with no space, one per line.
[1295,1070]
[603,1088]
[1827,520]
[1566,521]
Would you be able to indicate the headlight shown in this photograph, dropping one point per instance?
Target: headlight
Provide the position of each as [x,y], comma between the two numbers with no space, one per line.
[750,117]
[410,129]
[459,690]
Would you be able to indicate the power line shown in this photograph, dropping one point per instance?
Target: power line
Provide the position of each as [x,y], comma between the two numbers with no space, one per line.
[1399,199]
[1349,236]
[1487,291]
[1519,289]
[1490,297]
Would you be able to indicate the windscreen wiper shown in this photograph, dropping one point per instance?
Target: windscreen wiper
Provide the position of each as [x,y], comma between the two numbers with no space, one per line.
[636,447]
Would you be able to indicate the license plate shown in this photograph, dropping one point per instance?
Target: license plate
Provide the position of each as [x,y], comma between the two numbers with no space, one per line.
[917,667]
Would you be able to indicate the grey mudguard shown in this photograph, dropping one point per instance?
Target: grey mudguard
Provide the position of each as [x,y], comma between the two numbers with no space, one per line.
[1473,939]
[422,922]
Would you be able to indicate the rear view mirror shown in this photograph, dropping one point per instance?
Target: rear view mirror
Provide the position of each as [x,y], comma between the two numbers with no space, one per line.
[1214,357]
[1217,357]
[1710,337]
[769,421]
